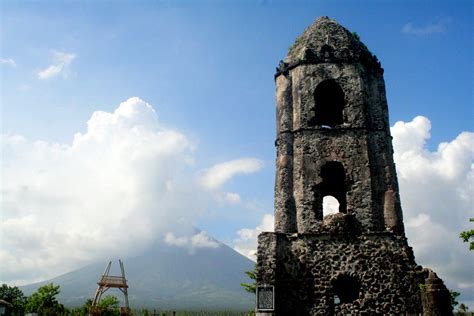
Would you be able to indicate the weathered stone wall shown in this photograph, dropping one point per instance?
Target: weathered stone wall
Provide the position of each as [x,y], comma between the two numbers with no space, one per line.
[305,79]
[360,255]
[362,144]
[304,267]
[314,149]
[435,296]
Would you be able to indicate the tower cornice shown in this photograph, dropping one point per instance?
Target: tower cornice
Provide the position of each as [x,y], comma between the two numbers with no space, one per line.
[326,41]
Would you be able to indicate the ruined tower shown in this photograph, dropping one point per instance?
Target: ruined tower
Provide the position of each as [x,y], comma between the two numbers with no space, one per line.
[333,139]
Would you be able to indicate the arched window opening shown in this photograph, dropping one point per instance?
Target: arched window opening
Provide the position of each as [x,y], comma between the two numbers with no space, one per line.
[328,104]
[346,289]
[330,205]
[334,183]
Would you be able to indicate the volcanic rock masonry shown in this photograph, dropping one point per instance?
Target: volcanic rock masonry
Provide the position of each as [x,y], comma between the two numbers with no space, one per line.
[333,139]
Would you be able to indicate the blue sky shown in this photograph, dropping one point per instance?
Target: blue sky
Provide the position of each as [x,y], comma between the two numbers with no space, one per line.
[207,69]
[221,53]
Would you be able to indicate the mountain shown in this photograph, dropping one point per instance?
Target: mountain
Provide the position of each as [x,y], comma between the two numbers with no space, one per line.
[167,277]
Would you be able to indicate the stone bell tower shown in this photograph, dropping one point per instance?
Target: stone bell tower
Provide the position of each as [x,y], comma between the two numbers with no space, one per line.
[333,140]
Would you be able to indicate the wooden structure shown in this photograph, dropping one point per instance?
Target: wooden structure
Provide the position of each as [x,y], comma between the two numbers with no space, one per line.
[4,306]
[106,282]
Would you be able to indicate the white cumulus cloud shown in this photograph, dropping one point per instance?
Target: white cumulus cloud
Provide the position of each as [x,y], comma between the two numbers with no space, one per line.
[172,240]
[61,62]
[118,187]
[436,189]
[232,197]
[8,62]
[196,241]
[330,205]
[246,244]
[203,240]
[218,174]
[108,193]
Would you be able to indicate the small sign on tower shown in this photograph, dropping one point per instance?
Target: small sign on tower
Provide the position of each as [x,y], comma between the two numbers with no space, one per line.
[265,298]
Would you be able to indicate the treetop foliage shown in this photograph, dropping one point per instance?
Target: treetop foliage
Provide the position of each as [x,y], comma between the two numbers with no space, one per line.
[44,301]
[468,235]
[14,296]
[251,287]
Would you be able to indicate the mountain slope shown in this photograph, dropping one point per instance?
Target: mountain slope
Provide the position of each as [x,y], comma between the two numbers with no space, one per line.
[168,277]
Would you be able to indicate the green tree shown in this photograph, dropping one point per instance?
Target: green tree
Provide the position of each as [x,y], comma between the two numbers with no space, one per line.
[109,306]
[14,296]
[44,301]
[462,309]
[251,287]
[468,235]
[82,310]
[454,297]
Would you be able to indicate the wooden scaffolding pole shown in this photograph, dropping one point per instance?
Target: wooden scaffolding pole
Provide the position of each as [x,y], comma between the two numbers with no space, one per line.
[106,282]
